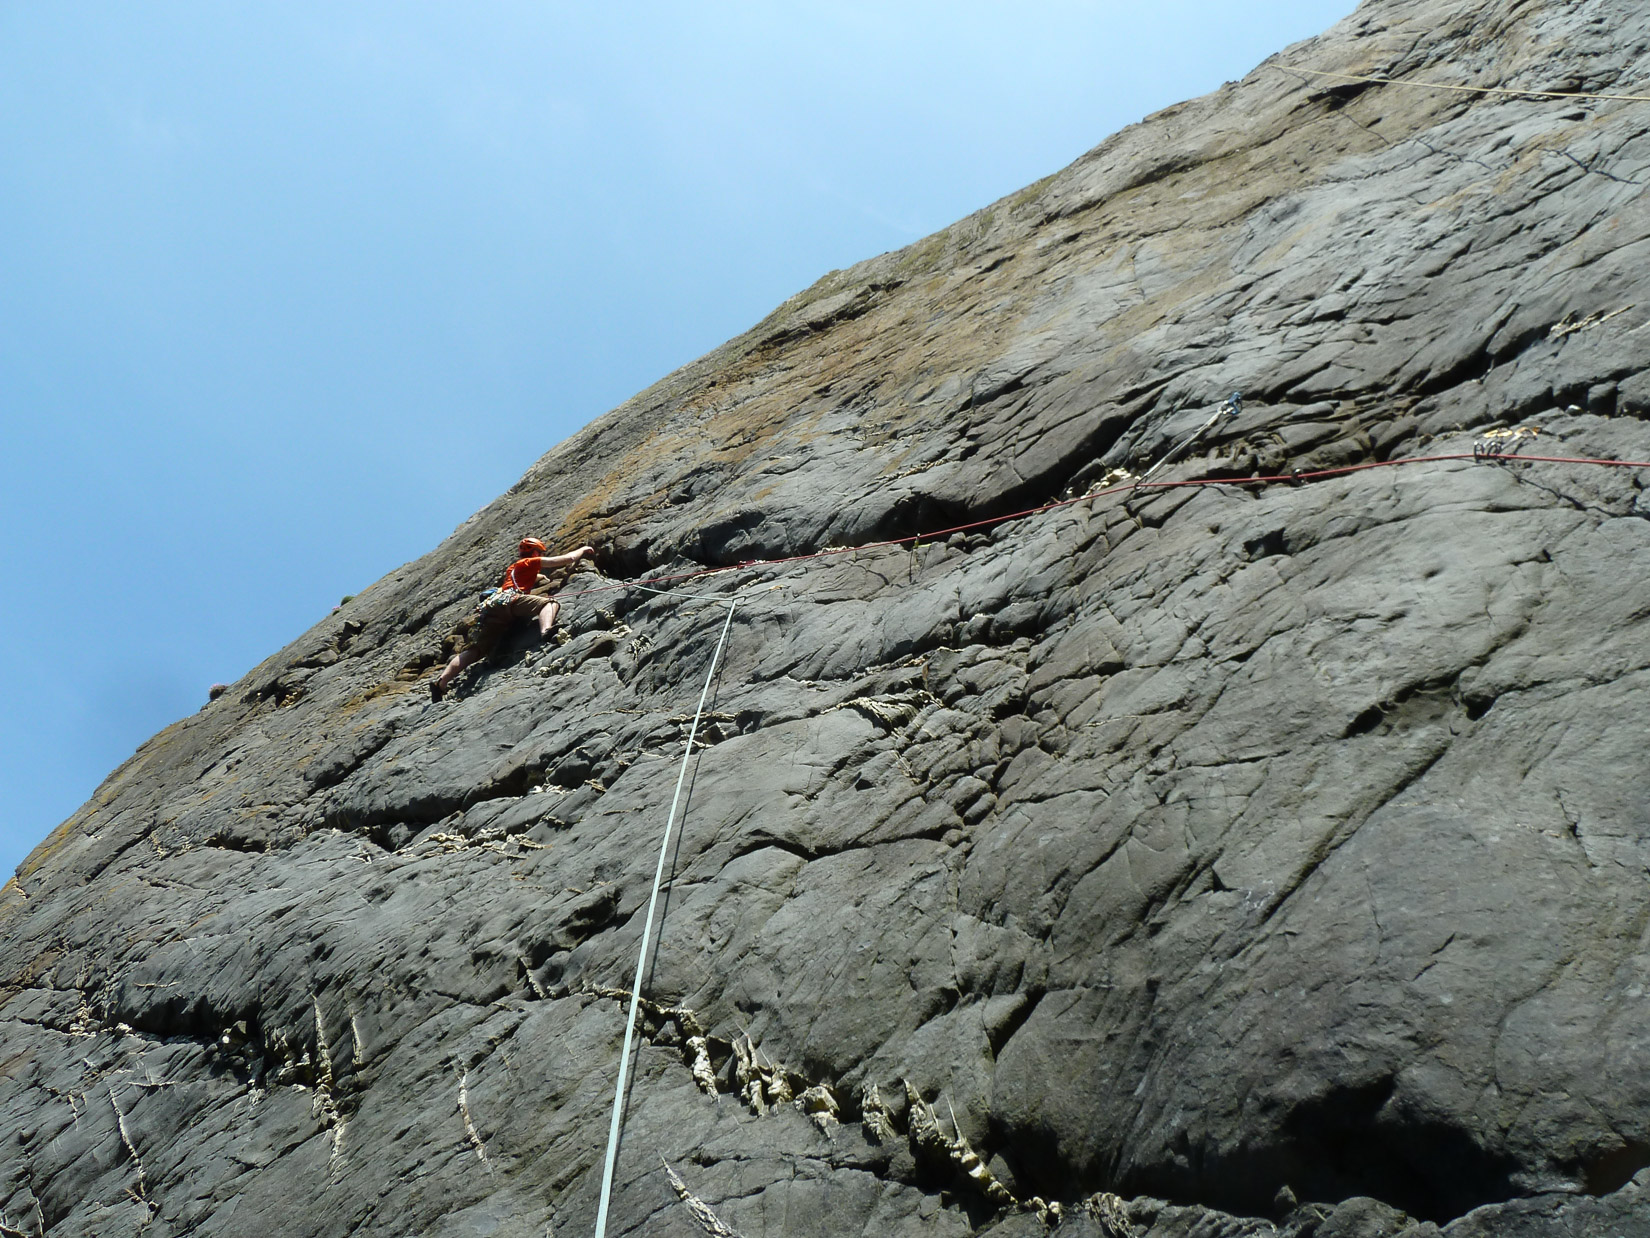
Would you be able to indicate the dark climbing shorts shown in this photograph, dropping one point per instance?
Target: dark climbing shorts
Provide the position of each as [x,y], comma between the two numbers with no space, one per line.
[497,622]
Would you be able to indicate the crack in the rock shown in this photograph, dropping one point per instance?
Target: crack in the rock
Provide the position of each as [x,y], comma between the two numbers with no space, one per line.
[1590,167]
[1337,839]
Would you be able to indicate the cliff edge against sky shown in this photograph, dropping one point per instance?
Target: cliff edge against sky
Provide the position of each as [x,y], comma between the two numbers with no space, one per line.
[1230,859]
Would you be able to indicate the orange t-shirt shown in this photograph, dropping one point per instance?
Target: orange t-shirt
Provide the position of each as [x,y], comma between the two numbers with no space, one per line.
[523,574]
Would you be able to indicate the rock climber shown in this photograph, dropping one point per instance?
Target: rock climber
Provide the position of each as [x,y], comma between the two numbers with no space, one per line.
[525,593]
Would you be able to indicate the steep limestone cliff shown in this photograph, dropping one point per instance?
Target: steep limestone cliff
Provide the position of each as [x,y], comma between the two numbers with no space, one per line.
[1217,860]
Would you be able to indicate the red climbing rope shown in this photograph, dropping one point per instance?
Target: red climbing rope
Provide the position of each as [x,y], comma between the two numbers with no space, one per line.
[933,534]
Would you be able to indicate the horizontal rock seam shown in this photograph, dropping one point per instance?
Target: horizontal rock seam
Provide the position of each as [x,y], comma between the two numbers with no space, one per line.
[1479,457]
[1471,90]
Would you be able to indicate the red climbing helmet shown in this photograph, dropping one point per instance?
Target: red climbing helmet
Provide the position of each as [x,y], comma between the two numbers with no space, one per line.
[530,546]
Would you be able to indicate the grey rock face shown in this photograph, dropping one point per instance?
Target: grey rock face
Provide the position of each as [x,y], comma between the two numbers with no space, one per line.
[1150,865]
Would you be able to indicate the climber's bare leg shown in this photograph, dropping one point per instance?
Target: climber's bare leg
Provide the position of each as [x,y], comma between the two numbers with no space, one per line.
[456,663]
[547,619]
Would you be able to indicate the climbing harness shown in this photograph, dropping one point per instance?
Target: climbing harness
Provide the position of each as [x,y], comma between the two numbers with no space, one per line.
[496,599]
[1469,90]
[647,937]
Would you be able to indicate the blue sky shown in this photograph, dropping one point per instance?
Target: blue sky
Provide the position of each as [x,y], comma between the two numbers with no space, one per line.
[289,290]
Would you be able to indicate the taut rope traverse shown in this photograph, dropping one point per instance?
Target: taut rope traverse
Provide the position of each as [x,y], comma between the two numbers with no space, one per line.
[1483,457]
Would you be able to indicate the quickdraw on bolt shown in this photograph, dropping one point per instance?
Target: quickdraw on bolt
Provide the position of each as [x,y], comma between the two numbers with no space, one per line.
[1499,444]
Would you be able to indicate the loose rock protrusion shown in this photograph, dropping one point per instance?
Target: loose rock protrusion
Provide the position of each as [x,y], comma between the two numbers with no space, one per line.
[876,1119]
[762,1085]
[928,1139]
[820,1104]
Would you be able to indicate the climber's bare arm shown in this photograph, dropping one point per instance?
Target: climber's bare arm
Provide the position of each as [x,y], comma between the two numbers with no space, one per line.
[555,562]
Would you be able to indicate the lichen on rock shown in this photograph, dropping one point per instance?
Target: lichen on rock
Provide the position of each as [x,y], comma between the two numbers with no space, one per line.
[1232,858]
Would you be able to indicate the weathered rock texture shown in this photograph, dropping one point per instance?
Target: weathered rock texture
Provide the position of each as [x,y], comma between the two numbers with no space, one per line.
[1188,857]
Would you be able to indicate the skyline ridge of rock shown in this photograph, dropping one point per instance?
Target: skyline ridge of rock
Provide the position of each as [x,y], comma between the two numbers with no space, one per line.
[1240,860]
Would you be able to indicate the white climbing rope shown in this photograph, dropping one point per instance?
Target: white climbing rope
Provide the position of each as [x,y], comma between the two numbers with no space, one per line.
[681,593]
[1231,406]
[647,937]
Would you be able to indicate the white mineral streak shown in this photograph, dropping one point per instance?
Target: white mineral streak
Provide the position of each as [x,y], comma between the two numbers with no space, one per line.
[700,1211]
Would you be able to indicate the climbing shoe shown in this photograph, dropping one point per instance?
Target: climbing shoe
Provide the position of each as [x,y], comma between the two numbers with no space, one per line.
[437,689]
